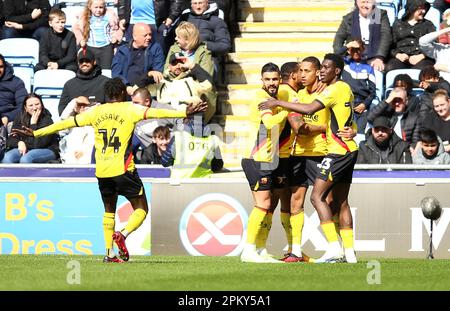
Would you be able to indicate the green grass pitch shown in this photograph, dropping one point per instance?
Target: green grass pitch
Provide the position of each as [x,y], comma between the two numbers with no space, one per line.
[187,273]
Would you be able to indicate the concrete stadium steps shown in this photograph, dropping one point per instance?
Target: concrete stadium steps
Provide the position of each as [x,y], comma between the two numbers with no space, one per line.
[319,27]
[312,43]
[301,11]
[264,57]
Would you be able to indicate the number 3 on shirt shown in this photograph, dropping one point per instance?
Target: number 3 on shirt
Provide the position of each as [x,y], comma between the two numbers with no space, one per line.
[111,142]
[326,163]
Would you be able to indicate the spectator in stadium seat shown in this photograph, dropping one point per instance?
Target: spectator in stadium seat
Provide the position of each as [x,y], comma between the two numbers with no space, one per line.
[77,146]
[144,129]
[438,120]
[405,52]
[98,28]
[430,82]
[12,93]
[403,121]
[25,19]
[160,15]
[153,153]
[57,47]
[383,146]
[23,149]
[432,149]
[213,31]
[361,78]
[407,83]
[371,25]
[438,51]
[188,45]
[139,62]
[88,81]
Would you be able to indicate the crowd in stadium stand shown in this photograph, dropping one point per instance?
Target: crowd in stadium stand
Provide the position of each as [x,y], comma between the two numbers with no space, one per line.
[175,49]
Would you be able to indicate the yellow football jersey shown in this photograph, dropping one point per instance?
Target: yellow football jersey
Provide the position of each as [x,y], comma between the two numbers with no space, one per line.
[287,136]
[316,144]
[338,99]
[113,124]
[264,131]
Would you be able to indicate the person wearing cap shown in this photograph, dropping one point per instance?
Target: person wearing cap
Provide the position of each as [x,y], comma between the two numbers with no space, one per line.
[184,82]
[140,62]
[383,146]
[404,121]
[88,81]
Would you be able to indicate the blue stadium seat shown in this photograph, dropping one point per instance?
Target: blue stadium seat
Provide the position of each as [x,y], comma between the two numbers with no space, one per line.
[390,76]
[390,10]
[379,83]
[26,74]
[49,85]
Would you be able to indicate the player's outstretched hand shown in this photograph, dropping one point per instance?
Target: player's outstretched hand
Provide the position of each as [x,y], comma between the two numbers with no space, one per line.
[26,131]
[194,108]
[268,104]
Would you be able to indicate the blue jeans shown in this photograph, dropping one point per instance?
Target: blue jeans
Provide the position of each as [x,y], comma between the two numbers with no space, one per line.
[32,156]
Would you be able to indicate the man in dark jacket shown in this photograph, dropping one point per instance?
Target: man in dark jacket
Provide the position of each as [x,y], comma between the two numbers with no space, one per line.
[383,146]
[25,18]
[406,33]
[12,92]
[140,62]
[403,120]
[376,33]
[213,31]
[88,81]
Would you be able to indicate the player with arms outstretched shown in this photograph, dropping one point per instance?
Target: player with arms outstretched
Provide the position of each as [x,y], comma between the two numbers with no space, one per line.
[113,124]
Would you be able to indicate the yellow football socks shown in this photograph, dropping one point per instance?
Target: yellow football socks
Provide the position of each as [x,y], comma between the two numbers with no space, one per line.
[347,237]
[108,230]
[329,231]
[297,222]
[335,220]
[286,223]
[255,223]
[263,235]
[135,221]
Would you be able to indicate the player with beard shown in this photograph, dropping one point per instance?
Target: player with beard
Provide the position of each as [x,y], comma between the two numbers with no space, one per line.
[336,168]
[262,159]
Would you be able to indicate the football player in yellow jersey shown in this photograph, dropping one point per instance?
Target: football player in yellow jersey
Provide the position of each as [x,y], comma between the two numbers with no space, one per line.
[261,159]
[337,166]
[113,124]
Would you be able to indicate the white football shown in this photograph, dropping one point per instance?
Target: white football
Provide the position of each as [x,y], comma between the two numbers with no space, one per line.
[431,208]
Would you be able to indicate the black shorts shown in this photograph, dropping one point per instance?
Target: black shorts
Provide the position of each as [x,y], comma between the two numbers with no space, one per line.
[258,174]
[129,185]
[280,175]
[304,170]
[338,168]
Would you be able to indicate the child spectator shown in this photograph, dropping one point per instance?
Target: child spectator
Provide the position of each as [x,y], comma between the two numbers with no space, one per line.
[432,150]
[98,28]
[57,47]
[161,138]
[361,78]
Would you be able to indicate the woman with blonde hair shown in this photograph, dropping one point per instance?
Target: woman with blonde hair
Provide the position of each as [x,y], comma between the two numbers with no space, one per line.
[188,45]
[98,27]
